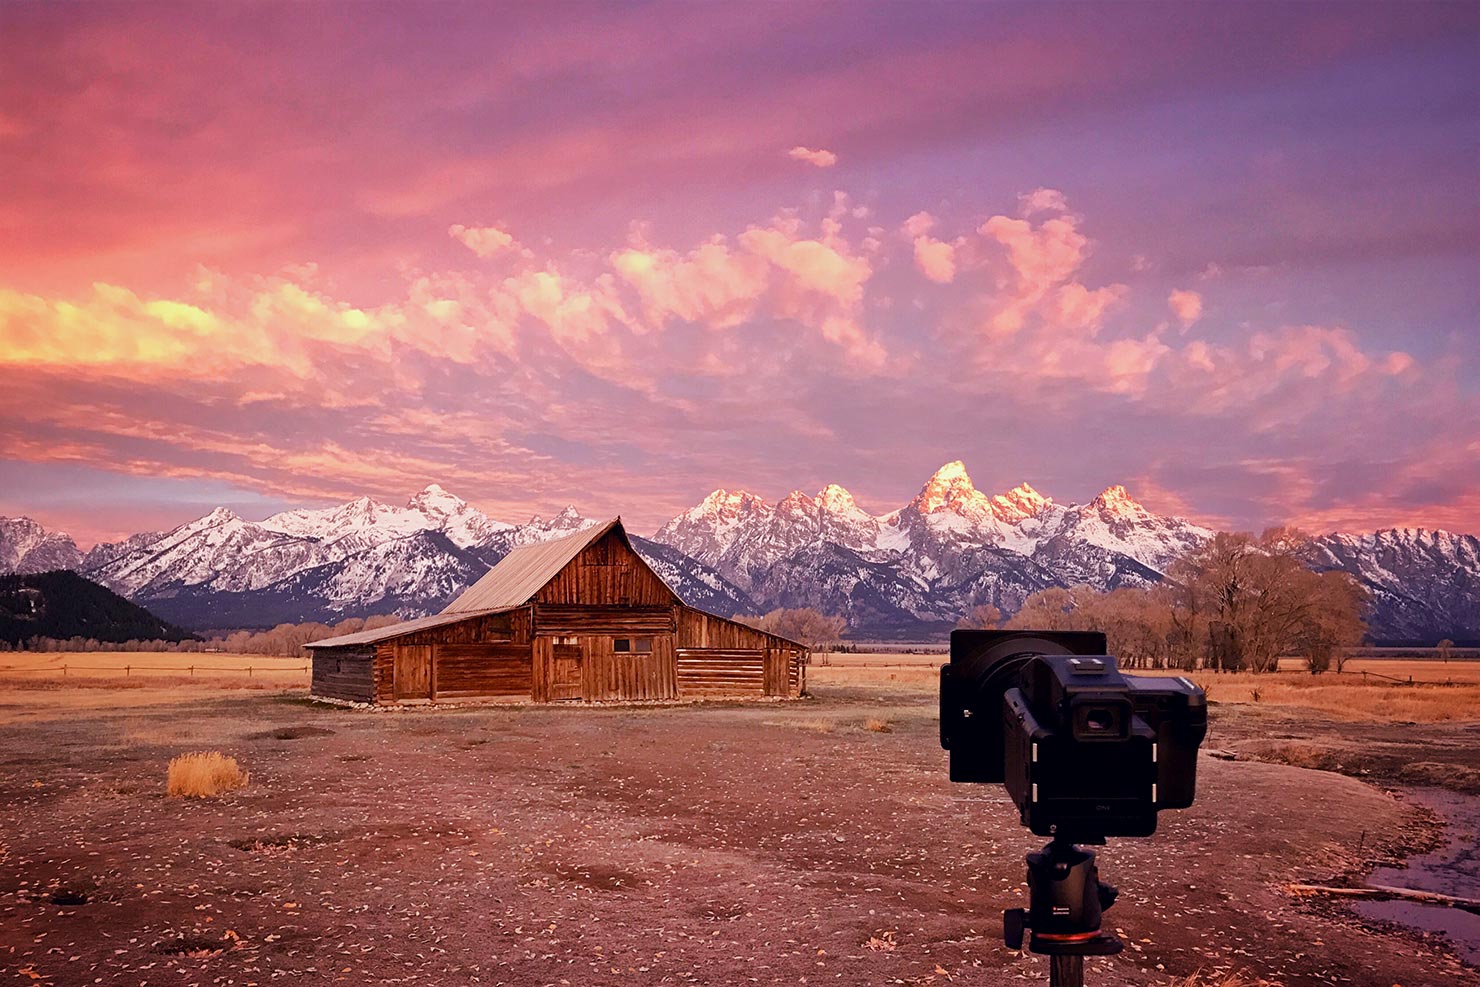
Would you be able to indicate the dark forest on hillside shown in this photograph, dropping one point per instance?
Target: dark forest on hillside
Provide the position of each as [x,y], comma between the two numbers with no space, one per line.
[63,604]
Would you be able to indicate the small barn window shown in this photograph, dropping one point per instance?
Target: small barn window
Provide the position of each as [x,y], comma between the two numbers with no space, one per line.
[567,639]
[632,645]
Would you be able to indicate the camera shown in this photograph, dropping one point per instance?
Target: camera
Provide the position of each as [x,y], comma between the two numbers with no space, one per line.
[1084,751]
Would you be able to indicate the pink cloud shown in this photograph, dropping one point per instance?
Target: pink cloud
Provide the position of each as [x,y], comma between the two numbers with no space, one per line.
[485,241]
[817,158]
[1186,305]
[936,259]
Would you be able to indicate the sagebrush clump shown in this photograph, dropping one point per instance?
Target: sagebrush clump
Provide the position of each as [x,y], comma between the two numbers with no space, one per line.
[204,774]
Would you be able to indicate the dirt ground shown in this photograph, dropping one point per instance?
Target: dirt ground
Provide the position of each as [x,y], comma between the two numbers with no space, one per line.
[780,843]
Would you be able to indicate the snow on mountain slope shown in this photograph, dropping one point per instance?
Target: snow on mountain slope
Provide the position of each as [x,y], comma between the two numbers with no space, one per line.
[1425,584]
[911,570]
[27,547]
[220,551]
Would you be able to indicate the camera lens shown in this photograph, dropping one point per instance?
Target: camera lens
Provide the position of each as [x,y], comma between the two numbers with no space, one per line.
[1099,720]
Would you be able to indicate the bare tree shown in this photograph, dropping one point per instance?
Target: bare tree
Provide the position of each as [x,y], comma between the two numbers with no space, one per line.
[801,625]
[1255,600]
[1445,648]
[1049,609]
[983,617]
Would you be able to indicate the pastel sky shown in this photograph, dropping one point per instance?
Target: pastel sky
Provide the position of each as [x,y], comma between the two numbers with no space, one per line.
[620,255]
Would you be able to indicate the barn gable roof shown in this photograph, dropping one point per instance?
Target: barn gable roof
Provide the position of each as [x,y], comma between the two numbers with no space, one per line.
[525,570]
[397,630]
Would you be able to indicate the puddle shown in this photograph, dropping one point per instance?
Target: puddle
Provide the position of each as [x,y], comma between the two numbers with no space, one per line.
[1453,869]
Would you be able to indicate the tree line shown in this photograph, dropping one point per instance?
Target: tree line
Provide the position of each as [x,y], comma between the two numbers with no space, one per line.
[1239,603]
[284,639]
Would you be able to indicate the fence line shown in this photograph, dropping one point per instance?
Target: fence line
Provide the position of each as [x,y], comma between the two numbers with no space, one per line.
[128,670]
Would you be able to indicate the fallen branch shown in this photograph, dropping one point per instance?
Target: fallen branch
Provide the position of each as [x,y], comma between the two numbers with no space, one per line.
[1382,891]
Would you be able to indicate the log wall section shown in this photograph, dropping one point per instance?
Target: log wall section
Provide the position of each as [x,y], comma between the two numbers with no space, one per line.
[714,652]
[348,675]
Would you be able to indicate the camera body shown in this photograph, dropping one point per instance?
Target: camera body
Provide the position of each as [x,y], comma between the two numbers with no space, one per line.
[1084,751]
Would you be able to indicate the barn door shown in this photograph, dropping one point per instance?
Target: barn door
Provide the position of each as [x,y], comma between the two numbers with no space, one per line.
[413,672]
[565,673]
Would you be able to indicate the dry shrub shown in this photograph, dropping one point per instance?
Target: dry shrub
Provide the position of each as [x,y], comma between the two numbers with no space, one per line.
[204,774]
[877,725]
[820,726]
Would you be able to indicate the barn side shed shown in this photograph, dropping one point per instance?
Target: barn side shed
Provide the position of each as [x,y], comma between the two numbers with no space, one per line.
[582,617]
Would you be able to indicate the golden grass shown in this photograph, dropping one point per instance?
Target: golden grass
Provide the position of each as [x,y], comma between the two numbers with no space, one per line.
[204,774]
[123,668]
[1346,697]
[877,725]
[1442,692]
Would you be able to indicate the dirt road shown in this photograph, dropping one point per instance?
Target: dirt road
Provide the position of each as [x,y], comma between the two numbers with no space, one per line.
[776,844]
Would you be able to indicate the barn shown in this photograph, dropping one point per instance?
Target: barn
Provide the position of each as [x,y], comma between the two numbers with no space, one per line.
[582,617]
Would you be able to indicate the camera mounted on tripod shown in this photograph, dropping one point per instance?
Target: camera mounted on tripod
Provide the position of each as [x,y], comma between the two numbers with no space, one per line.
[1085,752]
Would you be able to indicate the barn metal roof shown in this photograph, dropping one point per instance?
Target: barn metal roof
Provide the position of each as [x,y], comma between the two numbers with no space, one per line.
[525,571]
[396,630]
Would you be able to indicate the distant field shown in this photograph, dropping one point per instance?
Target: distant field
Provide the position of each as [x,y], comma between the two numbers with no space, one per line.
[1442,691]
[148,669]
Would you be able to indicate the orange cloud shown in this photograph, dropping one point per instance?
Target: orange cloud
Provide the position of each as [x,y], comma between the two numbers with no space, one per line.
[485,241]
[817,158]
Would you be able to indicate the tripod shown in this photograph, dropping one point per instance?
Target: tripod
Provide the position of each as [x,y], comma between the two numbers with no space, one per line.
[1065,901]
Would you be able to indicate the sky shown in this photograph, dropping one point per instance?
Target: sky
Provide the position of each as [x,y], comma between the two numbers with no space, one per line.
[620,255]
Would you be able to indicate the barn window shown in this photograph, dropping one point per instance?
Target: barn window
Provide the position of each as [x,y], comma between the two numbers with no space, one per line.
[568,639]
[632,645]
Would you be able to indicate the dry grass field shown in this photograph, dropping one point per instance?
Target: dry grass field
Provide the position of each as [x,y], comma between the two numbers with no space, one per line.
[74,683]
[1442,691]
[787,843]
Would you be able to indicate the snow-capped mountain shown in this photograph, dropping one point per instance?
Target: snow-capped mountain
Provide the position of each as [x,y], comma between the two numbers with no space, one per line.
[952,547]
[1425,585]
[357,558]
[933,535]
[911,571]
[26,547]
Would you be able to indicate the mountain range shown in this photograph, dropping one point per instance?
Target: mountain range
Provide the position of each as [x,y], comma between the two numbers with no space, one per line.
[911,572]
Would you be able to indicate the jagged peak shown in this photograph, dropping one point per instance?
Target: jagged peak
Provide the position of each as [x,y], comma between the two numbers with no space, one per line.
[951,487]
[1117,500]
[221,515]
[1021,501]
[568,513]
[951,474]
[435,494]
[721,498]
[836,498]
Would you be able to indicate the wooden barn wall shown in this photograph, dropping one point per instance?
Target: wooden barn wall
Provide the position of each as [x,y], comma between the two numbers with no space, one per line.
[715,653]
[607,572]
[481,656]
[464,671]
[695,655]
[609,675]
[714,673]
[344,675]
[575,619]
[542,668]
